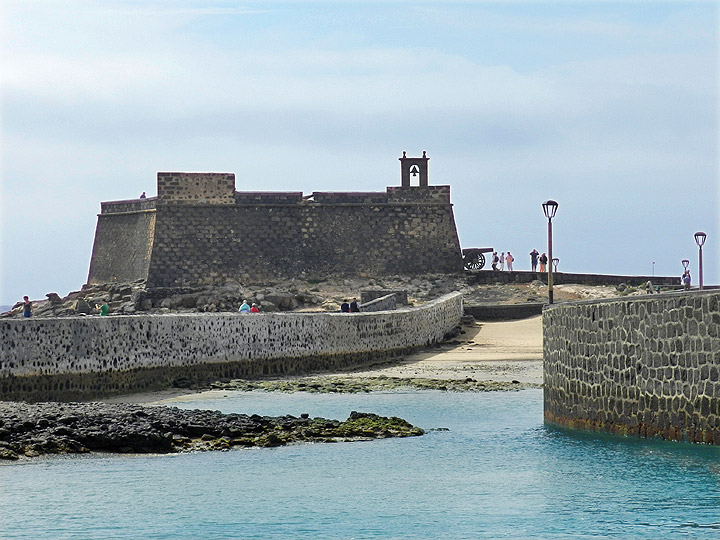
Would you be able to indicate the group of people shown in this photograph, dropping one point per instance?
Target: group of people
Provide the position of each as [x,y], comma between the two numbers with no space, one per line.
[535,257]
[352,307]
[247,308]
[103,308]
[499,261]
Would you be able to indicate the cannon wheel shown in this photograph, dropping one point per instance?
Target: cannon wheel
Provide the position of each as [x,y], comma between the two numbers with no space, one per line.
[474,261]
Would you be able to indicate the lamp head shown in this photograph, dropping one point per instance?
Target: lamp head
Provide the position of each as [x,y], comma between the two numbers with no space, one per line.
[685,263]
[550,208]
[700,238]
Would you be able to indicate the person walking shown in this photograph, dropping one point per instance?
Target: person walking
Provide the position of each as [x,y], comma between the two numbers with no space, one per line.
[509,260]
[534,259]
[27,307]
[495,260]
[543,262]
[502,261]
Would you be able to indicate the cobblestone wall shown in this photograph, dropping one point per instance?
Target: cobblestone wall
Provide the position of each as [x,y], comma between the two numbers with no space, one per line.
[88,357]
[647,366]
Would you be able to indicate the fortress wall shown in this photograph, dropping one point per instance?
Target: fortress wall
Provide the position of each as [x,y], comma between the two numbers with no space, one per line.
[206,244]
[88,357]
[374,197]
[132,205]
[191,188]
[123,244]
[647,366]
[268,197]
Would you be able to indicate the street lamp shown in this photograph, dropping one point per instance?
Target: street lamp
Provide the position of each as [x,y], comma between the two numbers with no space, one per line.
[700,240]
[555,263]
[550,208]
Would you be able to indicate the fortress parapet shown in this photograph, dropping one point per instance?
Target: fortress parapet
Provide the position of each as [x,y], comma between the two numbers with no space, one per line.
[199,231]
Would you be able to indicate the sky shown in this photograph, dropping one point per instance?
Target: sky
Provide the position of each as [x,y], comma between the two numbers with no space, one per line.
[608,107]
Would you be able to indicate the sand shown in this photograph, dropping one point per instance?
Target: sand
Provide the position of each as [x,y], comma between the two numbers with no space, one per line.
[492,351]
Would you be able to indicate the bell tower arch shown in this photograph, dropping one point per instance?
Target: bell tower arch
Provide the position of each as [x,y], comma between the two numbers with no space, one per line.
[412,168]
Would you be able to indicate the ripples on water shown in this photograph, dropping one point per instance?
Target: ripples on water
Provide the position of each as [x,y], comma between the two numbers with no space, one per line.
[497,473]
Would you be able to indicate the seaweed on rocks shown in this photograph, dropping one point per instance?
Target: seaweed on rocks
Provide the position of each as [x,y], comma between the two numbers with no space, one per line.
[354,385]
[29,430]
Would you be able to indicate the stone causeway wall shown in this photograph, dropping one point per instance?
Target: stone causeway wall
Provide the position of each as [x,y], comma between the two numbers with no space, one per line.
[199,231]
[90,357]
[646,366]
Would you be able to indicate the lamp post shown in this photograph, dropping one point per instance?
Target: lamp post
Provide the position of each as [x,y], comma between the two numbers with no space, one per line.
[700,240]
[555,262]
[550,208]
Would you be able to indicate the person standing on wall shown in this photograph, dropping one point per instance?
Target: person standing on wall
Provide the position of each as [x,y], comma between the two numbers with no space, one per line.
[686,279]
[495,260]
[509,260]
[502,261]
[534,259]
[27,307]
[543,262]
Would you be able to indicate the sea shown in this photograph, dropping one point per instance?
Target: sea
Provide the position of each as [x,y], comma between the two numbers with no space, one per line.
[488,467]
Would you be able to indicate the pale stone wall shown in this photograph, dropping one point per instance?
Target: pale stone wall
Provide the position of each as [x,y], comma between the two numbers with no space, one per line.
[94,356]
[646,366]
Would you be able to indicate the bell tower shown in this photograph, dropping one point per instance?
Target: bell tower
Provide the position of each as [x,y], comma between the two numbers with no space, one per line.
[414,167]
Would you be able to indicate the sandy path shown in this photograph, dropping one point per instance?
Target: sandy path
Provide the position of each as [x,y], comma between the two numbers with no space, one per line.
[493,351]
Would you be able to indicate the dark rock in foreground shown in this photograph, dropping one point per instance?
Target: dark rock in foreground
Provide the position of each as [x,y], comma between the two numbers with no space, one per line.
[65,428]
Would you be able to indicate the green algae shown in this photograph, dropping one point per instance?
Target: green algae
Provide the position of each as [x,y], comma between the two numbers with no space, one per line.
[355,385]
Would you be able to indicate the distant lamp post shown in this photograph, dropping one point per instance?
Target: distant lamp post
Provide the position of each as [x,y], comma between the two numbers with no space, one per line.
[653,268]
[685,263]
[550,208]
[700,240]
[555,263]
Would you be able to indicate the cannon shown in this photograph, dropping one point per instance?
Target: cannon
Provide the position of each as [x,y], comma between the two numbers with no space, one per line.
[473,258]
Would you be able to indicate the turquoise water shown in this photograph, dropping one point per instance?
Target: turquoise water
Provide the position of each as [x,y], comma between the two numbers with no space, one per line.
[497,473]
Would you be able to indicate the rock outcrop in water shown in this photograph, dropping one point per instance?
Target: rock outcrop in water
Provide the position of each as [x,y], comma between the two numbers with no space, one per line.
[65,428]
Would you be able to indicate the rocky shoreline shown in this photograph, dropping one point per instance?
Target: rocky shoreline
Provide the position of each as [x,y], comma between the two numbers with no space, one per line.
[31,430]
[355,385]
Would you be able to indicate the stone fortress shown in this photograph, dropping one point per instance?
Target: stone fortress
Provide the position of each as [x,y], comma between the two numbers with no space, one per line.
[199,231]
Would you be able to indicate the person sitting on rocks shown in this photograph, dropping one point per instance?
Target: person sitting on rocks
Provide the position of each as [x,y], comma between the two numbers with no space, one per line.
[345,307]
[104,308]
[244,307]
[254,308]
[354,306]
